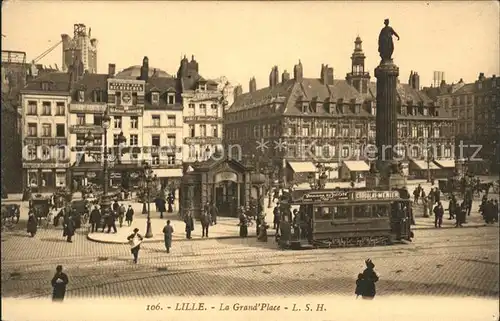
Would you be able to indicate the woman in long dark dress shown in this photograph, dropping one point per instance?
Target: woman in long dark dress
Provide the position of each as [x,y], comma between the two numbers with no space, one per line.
[59,282]
[32,225]
[243,224]
[370,278]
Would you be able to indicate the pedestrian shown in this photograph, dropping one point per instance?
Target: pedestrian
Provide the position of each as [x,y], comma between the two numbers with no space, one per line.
[416,194]
[111,222]
[95,219]
[452,207]
[69,229]
[214,212]
[369,280]
[135,240]
[276,218]
[121,214]
[460,215]
[116,206]
[189,225]
[205,221]
[168,230]
[243,224]
[161,206]
[129,216]
[432,196]
[59,283]
[32,225]
[438,215]
[438,194]
[426,201]
[360,285]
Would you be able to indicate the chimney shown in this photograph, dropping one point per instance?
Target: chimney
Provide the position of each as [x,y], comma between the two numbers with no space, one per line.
[111,70]
[297,72]
[322,74]
[410,79]
[144,69]
[329,75]
[237,91]
[414,80]
[273,77]
[252,86]
[481,76]
[285,76]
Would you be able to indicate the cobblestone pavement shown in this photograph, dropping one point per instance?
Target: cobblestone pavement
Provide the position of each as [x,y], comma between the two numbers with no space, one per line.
[455,261]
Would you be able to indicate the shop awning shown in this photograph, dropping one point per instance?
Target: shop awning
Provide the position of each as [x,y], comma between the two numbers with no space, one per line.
[422,165]
[446,163]
[357,166]
[302,167]
[168,172]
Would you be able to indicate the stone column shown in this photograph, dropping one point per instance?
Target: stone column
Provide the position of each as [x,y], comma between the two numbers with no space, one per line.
[386,124]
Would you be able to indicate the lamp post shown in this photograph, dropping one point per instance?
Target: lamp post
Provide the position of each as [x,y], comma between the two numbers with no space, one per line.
[270,178]
[105,199]
[148,178]
[429,160]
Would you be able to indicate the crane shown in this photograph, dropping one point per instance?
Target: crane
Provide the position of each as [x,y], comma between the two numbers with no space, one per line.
[46,52]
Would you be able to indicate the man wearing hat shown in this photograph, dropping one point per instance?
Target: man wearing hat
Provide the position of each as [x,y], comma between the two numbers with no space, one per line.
[59,282]
[135,240]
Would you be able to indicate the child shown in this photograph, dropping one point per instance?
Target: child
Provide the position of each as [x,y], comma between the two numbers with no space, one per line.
[359,285]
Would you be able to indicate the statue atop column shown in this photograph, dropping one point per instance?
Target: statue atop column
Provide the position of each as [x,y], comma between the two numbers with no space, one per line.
[385,43]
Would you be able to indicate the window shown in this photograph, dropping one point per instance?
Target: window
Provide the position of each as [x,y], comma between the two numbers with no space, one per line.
[155,120]
[60,130]
[155,140]
[332,130]
[118,121]
[80,140]
[116,139]
[345,151]
[191,152]
[358,132]
[425,132]
[319,131]
[46,108]
[80,119]
[98,119]
[97,140]
[171,121]
[345,131]
[414,132]
[380,210]
[134,140]
[305,131]
[45,152]
[81,96]
[31,152]
[61,153]
[46,130]
[191,131]
[203,109]
[97,95]
[32,130]
[203,130]
[134,99]
[215,132]
[134,122]
[31,108]
[60,109]
[171,160]
[437,132]
[362,211]
[155,98]
[447,152]
[341,212]
[191,106]
[323,213]
[171,140]
[171,99]
[155,159]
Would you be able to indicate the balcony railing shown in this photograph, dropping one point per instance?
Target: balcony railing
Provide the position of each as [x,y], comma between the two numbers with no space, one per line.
[84,129]
[48,141]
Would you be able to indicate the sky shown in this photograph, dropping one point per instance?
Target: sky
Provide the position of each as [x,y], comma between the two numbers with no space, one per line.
[244,39]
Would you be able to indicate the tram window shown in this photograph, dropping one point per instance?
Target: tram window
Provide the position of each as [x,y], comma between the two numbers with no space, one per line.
[362,211]
[341,212]
[380,211]
[323,213]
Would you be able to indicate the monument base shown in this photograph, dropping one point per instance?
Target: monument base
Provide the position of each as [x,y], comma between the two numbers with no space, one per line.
[395,181]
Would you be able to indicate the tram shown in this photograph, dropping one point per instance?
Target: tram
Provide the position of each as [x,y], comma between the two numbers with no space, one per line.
[344,218]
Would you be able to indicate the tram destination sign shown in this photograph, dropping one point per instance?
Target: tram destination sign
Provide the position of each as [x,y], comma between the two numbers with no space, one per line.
[376,195]
[325,196]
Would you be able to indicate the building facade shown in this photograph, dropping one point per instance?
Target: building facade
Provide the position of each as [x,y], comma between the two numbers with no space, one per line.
[203,110]
[294,123]
[44,104]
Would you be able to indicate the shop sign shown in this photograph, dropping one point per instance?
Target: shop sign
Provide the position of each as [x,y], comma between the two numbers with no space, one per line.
[200,119]
[45,165]
[376,195]
[87,108]
[121,85]
[325,196]
[125,110]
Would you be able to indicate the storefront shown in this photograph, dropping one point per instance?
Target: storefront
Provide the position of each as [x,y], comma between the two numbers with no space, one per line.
[354,170]
[126,176]
[422,169]
[44,180]
[299,172]
[226,183]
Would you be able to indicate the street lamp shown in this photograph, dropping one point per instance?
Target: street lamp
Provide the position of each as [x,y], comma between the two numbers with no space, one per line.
[105,199]
[148,179]
[430,158]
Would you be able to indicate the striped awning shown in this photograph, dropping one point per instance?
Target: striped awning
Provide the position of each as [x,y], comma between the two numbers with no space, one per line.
[445,163]
[357,166]
[302,167]
[423,165]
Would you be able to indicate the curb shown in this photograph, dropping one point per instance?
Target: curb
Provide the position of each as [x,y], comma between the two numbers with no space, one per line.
[180,240]
[446,227]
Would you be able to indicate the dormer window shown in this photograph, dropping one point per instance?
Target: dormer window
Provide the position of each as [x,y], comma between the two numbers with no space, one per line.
[425,111]
[202,87]
[45,85]
[312,108]
[171,99]
[357,109]
[155,98]
[81,96]
[97,96]
[305,107]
